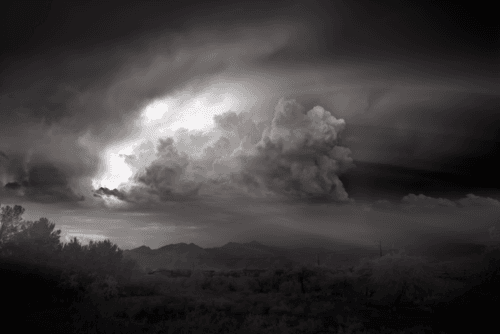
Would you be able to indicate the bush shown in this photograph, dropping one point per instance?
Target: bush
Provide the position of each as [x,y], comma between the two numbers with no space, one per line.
[142,289]
[260,284]
[398,277]
[487,275]
[92,285]
[491,262]
[104,288]
[280,308]
[289,287]
[35,285]
[285,324]
[199,322]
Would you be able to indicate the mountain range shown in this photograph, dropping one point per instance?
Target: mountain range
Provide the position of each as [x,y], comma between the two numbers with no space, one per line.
[255,255]
[235,255]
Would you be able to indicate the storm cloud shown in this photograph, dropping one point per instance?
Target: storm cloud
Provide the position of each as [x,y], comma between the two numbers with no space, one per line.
[416,112]
[422,203]
[478,201]
[297,156]
[69,109]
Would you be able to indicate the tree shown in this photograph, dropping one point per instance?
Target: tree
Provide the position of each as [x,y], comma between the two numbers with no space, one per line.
[28,241]
[101,257]
[36,242]
[11,219]
[72,255]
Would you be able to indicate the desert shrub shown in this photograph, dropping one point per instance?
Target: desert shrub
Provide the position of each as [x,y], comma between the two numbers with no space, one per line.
[126,269]
[199,321]
[355,328]
[206,283]
[221,303]
[154,310]
[273,278]
[261,284]
[318,307]
[241,285]
[486,277]
[285,324]
[85,315]
[307,326]
[323,283]
[76,283]
[196,278]
[156,313]
[85,284]
[298,310]
[398,277]
[255,323]
[224,283]
[216,284]
[341,285]
[34,285]
[314,283]
[132,308]
[280,308]
[138,289]
[491,261]
[259,325]
[289,287]
[231,273]
[232,287]
[104,287]
[259,307]
[302,274]
[219,284]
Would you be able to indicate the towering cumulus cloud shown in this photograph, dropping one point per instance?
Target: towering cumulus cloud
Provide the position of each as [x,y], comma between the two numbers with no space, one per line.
[299,154]
[296,156]
[166,178]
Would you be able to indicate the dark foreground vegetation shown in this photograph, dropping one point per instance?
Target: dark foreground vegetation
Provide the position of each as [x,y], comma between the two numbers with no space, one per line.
[55,287]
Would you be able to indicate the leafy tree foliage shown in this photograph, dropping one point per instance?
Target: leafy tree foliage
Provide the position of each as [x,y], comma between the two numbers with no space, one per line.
[93,269]
[11,220]
[36,241]
[101,257]
[27,241]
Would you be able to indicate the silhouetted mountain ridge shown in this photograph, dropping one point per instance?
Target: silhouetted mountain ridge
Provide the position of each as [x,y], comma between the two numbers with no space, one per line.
[181,247]
[233,255]
[143,249]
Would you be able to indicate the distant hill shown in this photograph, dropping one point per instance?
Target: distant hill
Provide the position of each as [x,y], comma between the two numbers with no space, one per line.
[254,254]
[453,250]
[235,255]
[143,250]
[179,256]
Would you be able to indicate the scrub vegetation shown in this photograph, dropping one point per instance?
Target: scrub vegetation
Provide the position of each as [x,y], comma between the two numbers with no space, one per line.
[74,288]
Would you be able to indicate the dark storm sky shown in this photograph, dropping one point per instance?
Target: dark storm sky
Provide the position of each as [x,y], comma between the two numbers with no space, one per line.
[426,39]
[417,83]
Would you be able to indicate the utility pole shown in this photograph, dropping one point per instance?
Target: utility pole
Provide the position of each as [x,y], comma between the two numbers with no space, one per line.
[318,259]
[380,248]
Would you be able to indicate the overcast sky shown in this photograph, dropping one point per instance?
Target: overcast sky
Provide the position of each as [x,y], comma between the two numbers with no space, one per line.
[209,122]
